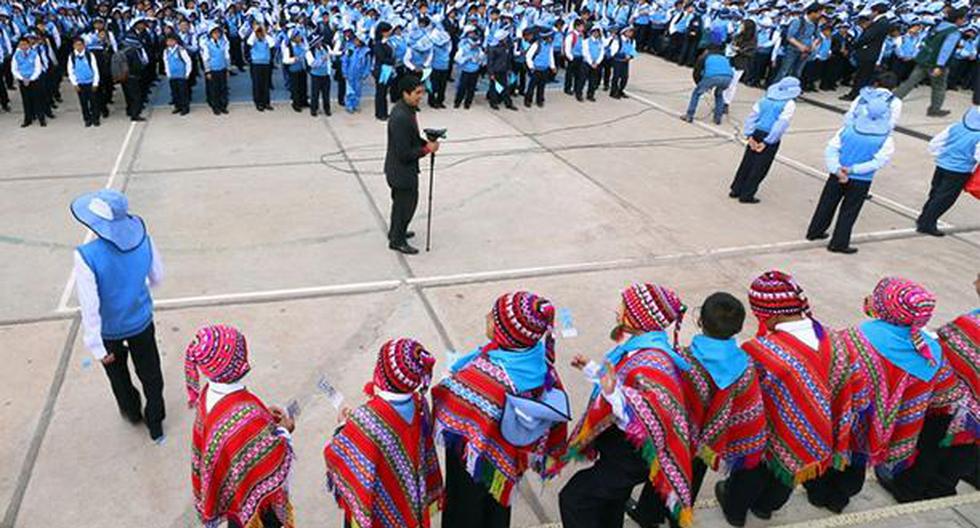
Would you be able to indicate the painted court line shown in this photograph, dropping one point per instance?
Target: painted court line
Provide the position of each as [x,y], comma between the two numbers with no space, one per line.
[70,283]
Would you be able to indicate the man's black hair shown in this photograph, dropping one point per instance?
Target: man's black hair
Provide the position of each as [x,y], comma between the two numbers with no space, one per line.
[813,8]
[887,80]
[408,84]
[722,315]
[956,14]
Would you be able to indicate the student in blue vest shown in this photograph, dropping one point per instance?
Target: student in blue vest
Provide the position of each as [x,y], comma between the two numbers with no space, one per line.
[540,61]
[320,61]
[441,48]
[177,66]
[572,51]
[622,51]
[593,55]
[294,61]
[499,60]
[83,72]
[260,46]
[469,57]
[114,273]
[853,156]
[216,58]
[712,71]
[26,68]
[957,152]
[764,128]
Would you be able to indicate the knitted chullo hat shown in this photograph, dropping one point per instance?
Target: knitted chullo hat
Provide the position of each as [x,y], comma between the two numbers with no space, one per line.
[217,351]
[403,366]
[520,320]
[902,302]
[777,293]
[652,308]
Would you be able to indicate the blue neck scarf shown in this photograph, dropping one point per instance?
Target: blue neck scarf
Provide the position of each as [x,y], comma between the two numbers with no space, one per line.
[895,344]
[657,340]
[406,408]
[722,358]
[526,368]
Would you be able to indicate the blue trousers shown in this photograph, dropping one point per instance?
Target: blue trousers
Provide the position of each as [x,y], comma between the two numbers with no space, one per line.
[707,83]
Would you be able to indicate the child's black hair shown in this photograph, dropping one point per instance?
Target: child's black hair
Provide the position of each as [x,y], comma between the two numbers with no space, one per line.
[722,315]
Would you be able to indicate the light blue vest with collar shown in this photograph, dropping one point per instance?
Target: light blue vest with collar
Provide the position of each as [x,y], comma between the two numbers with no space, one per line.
[299,51]
[595,48]
[176,65]
[124,298]
[26,62]
[83,68]
[769,112]
[260,52]
[577,47]
[856,147]
[959,149]
[216,58]
[321,63]
[542,59]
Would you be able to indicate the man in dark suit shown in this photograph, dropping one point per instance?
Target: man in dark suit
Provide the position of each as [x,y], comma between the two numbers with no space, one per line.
[867,48]
[405,148]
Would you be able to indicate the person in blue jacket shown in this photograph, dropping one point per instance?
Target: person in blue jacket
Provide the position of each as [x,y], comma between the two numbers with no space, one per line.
[540,62]
[622,51]
[441,48]
[260,48]
[957,152]
[469,57]
[216,57]
[319,60]
[853,156]
[712,71]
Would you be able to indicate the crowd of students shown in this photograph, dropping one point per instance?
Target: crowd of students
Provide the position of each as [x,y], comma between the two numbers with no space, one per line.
[797,404]
[517,46]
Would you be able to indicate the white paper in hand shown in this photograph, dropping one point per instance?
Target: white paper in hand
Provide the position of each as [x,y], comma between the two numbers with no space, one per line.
[333,395]
[293,409]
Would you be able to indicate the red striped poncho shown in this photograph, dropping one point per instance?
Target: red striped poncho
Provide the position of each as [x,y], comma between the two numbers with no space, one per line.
[808,396]
[887,429]
[468,407]
[239,464]
[729,425]
[658,426]
[384,472]
[960,340]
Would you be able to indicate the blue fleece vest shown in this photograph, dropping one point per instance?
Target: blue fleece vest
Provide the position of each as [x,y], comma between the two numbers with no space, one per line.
[769,112]
[216,55]
[856,147]
[176,64]
[716,65]
[542,59]
[321,64]
[83,68]
[124,298]
[577,47]
[957,154]
[25,62]
[298,51]
[595,48]
[260,52]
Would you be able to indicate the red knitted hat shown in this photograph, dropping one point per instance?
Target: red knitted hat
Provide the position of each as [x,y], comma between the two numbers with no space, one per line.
[520,320]
[220,353]
[403,366]
[777,293]
[904,303]
[652,308]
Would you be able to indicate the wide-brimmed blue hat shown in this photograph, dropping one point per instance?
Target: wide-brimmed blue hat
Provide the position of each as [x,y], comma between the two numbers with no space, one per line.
[106,213]
[526,420]
[972,118]
[787,88]
[875,120]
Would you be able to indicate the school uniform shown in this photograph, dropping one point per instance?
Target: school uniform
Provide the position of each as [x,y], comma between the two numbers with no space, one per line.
[177,67]
[469,57]
[574,73]
[593,54]
[5,53]
[441,49]
[540,61]
[863,147]
[215,56]
[134,55]
[26,69]
[384,76]
[83,72]
[957,152]
[767,123]
[319,61]
[357,68]
[622,51]
[499,60]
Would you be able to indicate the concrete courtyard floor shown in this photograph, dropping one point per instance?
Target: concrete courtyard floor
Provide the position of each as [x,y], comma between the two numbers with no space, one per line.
[276,223]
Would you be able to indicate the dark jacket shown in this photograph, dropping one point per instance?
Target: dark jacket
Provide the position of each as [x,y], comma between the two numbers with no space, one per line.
[867,47]
[499,58]
[405,147]
[383,54]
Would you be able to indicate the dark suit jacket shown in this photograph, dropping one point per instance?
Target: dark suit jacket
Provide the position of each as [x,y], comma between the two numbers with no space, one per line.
[867,47]
[405,147]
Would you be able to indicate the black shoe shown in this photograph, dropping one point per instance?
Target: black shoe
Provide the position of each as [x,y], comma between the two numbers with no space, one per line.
[260,108]
[133,418]
[761,514]
[579,98]
[184,112]
[843,251]
[622,95]
[934,231]
[6,107]
[686,118]
[327,112]
[49,115]
[820,236]
[512,107]
[733,194]
[42,122]
[175,111]
[752,200]
[216,111]
[297,108]
[721,495]
[96,123]
[137,118]
[527,104]
[224,110]
[25,124]
[88,124]
[466,106]
[456,104]
[269,108]
[105,114]
[495,106]
[409,234]
[717,120]
[404,248]
[313,113]
[540,104]
[937,113]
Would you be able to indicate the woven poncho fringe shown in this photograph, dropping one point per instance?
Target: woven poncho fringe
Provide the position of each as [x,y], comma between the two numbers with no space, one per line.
[468,407]
[659,431]
[383,471]
[960,340]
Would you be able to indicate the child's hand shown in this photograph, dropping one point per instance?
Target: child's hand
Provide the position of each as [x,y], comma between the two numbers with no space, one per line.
[344,415]
[608,379]
[579,361]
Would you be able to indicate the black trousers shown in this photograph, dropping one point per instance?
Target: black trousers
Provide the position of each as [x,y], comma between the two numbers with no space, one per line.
[862,77]
[380,100]
[180,92]
[946,188]
[235,51]
[498,97]
[30,96]
[217,88]
[753,169]
[88,101]
[468,504]
[261,83]
[403,205]
[437,96]
[467,88]
[297,88]
[142,347]
[592,76]
[620,76]
[850,197]
[320,90]
[580,73]
[341,82]
[834,488]
[772,493]
[133,95]
[935,472]
[652,511]
[535,88]
[4,98]
[596,497]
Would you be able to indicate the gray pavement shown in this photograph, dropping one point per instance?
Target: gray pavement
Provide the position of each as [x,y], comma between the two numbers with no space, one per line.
[275,223]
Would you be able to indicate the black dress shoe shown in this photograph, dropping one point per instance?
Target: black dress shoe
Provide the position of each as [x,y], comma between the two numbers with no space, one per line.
[937,113]
[820,236]
[175,111]
[752,200]
[930,231]
[722,496]
[733,194]
[844,250]
[25,124]
[761,514]
[403,248]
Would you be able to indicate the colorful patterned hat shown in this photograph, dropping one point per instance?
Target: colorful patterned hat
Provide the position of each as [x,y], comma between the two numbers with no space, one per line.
[520,320]
[403,366]
[652,308]
[220,353]
[902,302]
[777,293]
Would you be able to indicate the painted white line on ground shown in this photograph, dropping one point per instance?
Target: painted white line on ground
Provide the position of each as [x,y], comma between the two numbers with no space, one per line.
[787,160]
[887,512]
[70,283]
